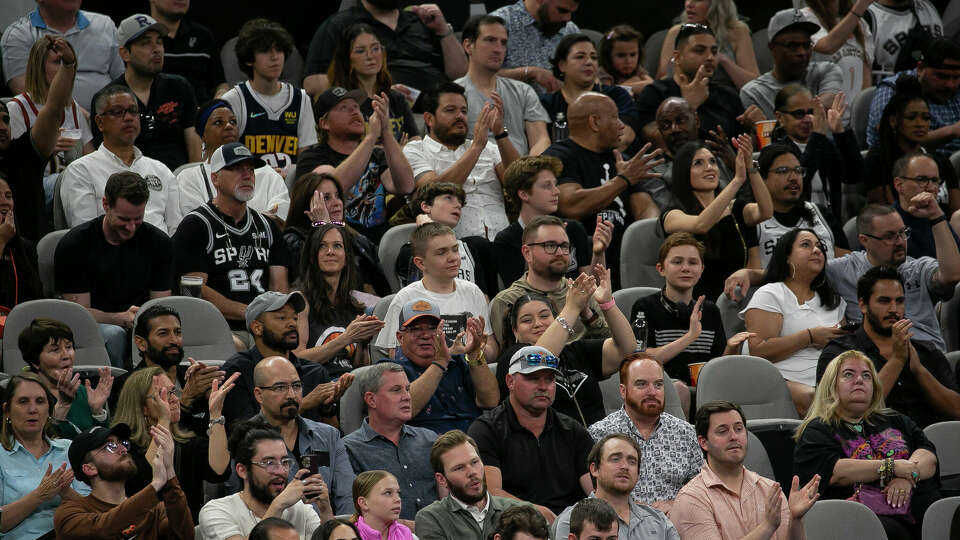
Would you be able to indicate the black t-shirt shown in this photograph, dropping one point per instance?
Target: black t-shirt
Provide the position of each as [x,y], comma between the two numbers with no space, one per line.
[236,256]
[23,166]
[581,364]
[194,55]
[668,321]
[19,274]
[722,106]
[626,108]
[510,262]
[402,120]
[321,333]
[116,276]
[172,108]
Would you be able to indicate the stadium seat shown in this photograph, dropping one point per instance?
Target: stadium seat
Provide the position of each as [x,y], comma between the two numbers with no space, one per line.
[850,231]
[730,313]
[595,35]
[955,157]
[380,311]
[749,381]
[185,166]
[638,254]
[206,334]
[390,245]
[842,520]
[352,409]
[757,459]
[953,358]
[651,52]
[950,321]
[762,50]
[859,111]
[290,179]
[59,214]
[946,437]
[627,297]
[610,390]
[46,250]
[292,68]
[939,517]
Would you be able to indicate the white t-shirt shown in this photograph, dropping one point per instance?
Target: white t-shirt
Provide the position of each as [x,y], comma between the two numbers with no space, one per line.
[466,298]
[849,57]
[229,516]
[891,26]
[801,366]
[270,195]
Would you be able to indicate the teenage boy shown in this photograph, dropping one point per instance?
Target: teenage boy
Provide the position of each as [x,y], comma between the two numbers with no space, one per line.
[275,119]
[681,331]
[436,255]
[442,202]
[530,187]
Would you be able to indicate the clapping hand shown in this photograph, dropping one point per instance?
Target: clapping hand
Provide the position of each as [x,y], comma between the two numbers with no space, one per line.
[96,397]
[53,482]
[801,500]
[218,393]
[835,113]
[580,290]
[602,235]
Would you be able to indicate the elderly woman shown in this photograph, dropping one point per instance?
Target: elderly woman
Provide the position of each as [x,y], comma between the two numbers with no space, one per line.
[869,453]
[47,348]
[33,464]
[148,398]
[795,313]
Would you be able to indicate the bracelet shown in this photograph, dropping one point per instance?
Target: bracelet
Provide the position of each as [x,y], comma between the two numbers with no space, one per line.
[480,360]
[565,325]
[624,179]
[524,76]
[439,365]
[941,219]
[809,333]
[447,33]
[608,305]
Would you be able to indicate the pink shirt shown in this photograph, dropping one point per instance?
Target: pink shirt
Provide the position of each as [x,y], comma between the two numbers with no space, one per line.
[706,510]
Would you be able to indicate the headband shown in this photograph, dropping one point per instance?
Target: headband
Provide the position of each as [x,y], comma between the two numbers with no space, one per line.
[204,115]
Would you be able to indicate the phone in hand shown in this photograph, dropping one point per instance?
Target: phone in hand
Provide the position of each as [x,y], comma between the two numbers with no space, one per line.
[314,460]
[850,327]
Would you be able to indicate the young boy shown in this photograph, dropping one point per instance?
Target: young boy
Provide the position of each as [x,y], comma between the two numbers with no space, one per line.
[681,331]
[275,120]
[436,253]
[442,202]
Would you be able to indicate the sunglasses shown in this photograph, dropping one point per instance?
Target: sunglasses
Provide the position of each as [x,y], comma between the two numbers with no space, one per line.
[799,113]
[536,360]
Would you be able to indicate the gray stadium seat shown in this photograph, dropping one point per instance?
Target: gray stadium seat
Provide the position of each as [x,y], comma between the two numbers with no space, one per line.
[379,311]
[757,459]
[842,520]
[749,381]
[595,35]
[46,250]
[762,51]
[627,297]
[730,313]
[850,231]
[955,157]
[185,166]
[651,51]
[390,245]
[292,67]
[290,179]
[638,254]
[950,321]
[610,390]
[206,334]
[59,214]
[946,437]
[953,358]
[352,409]
[939,517]
[859,111]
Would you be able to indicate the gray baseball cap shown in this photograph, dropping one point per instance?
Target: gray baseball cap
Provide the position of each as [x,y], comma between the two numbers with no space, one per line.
[531,359]
[272,301]
[416,309]
[135,25]
[789,19]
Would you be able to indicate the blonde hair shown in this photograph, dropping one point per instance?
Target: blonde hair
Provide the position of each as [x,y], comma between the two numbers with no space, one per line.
[35,79]
[363,485]
[130,408]
[826,401]
[722,17]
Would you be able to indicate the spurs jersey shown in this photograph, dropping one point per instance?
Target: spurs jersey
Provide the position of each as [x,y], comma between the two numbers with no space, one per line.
[771,230]
[890,28]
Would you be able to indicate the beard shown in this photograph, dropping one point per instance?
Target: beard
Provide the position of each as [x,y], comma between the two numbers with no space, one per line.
[877,324]
[166,357]
[649,407]
[118,472]
[261,492]
[290,409]
[468,498]
[546,26]
[445,136]
[281,342]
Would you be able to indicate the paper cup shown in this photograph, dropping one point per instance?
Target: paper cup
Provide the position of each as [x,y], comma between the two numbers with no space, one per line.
[695,371]
[764,132]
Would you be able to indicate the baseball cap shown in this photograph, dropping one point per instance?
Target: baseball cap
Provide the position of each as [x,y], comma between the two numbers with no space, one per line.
[531,359]
[416,309]
[789,19]
[335,95]
[135,25]
[272,301]
[231,154]
[90,440]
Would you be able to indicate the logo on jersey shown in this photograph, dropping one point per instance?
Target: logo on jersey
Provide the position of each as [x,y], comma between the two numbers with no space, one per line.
[290,117]
[153,182]
[271,144]
[192,42]
[257,114]
[244,256]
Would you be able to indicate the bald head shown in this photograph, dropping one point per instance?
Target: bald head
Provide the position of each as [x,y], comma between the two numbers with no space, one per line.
[677,122]
[593,120]
[277,389]
[273,368]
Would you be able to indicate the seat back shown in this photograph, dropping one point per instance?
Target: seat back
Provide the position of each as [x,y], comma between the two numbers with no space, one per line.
[859,111]
[390,245]
[950,321]
[87,341]
[352,408]
[627,297]
[595,36]
[955,157]
[946,437]
[59,214]
[292,67]
[46,251]
[938,519]
[842,520]
[757,459]
[749,381]
[206,334]
[638,254]
[730,313]
[185,166]
[762,50]
[651,51]
[850,231]
[380,311]
[610,390]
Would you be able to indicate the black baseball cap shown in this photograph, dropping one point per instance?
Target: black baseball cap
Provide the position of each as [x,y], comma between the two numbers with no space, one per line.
[335,95]
[90,440]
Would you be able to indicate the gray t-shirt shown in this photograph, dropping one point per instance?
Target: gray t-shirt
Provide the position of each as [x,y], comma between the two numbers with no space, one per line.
[520,105]
[821,78]
[917,275]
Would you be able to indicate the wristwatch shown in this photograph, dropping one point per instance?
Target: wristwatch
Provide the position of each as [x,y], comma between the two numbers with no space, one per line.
[503,134]
[448,32]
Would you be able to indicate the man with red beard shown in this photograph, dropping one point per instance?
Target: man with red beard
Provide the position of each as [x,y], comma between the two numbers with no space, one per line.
[669,452]
[99,457]
[531,452]
[469,511]
[614,466]
[272,487]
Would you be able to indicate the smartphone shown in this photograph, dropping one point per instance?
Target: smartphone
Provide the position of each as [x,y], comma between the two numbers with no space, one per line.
[452,325]
[850,326]
[314,460]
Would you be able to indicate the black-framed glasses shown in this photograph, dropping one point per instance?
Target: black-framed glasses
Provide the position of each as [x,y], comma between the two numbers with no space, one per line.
[551,247]
[271,465]
[924,180]
[799,114]
[806,45]
[114,446]
[891,237]
[283,388]
[800,170]
[118,112]
[537,359]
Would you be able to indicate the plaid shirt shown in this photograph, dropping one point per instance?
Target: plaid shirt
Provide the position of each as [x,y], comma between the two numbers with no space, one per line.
[943,114]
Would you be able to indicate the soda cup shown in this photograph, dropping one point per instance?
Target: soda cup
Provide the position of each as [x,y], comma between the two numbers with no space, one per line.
[764,132]
[190,286]
[695,368]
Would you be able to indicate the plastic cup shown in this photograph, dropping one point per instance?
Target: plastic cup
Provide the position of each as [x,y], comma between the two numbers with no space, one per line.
[72,133]
[190,286]
[764,132]
[695,371]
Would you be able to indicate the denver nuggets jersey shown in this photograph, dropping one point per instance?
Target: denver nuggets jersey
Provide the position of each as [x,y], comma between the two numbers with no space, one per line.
[272,137]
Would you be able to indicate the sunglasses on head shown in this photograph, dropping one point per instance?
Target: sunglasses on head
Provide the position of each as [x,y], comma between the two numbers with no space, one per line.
[537,359]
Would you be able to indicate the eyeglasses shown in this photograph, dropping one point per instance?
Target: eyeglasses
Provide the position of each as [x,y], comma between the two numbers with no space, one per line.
[283,388]
[322,223]
[892,237]
[537,359]
[799,113]
[114,446]
[550,247]
[273,465]
[787,170]
[924,180]
[794,44]
[118,112]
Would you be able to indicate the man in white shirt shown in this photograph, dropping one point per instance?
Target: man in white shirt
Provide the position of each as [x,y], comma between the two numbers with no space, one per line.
[485,40]
[118,118]
[891,21]
[444,155]
[217,125]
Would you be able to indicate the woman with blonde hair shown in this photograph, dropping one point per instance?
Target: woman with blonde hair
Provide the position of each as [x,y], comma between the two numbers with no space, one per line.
[867,452]
[149,398]
[736,59]
[376,497]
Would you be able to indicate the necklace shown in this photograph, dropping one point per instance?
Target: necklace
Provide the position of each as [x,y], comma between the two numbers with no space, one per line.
[858,427]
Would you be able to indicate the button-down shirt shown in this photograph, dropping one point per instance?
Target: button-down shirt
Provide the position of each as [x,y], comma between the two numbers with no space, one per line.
[941,114]
[20,473]
[527,45]
[477,514]
[706,509]
[669,458]
[646,523]
[447,519]
[484,214]
[85,180]
[93,36]
[409,461]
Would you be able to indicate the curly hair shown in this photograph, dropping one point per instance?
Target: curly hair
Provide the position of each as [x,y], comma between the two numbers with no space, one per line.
[260,35]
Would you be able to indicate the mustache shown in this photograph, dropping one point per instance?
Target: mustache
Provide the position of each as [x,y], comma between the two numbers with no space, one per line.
[291,403]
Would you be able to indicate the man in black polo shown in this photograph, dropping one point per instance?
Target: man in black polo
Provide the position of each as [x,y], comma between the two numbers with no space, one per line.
[189,49]
[917,380]
[167,104]
[531,452]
